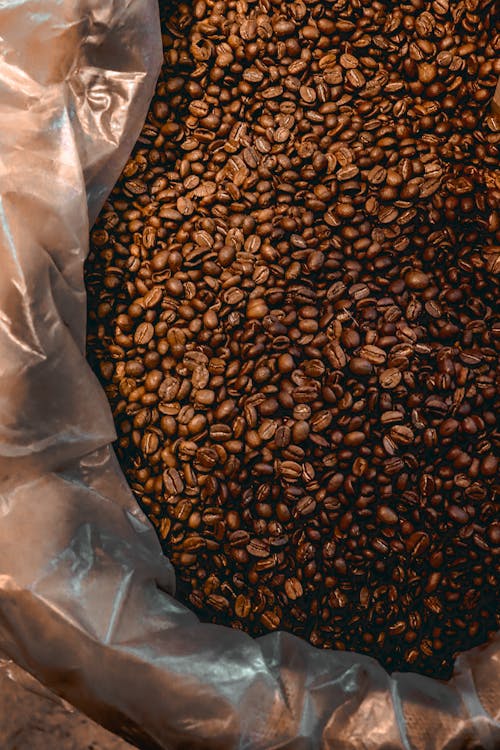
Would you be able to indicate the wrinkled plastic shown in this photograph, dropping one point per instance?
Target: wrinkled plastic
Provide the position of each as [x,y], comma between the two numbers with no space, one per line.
[85,593]
[14,673]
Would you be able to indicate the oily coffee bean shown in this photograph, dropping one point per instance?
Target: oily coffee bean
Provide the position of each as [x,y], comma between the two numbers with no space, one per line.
[293,309]
[390,378]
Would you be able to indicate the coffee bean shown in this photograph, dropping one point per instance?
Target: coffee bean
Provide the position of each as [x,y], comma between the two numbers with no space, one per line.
[386,514]
[256,308]
[290,470]
[489,466]
[242,606]
[293,589]
[306,505]
[354,438]
[219,603]
[360,366]
[355,77]
[417,543]
[374,354]
[143,334]
[220,432]
[390,378]
[348,172]
[336,356]
[150,443]
[494,534]
[416,280]
[448,427]
[377,175]
[270,620]
[300,431]
[402,434]
[390,417]
[258,548]
[457,514]
[348,61]
[173,482]
[283,436]
[292,309]
[337,599]
[433,604]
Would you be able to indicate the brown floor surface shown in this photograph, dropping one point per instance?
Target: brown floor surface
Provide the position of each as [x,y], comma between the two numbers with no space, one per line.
[33,722]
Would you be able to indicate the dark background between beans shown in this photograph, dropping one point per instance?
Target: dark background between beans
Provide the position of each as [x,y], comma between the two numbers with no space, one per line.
[292,308]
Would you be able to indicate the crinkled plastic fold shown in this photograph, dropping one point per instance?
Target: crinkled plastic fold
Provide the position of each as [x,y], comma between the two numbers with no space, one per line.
[85,593]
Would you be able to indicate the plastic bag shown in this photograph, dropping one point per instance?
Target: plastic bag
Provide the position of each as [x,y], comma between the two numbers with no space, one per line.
[85,602]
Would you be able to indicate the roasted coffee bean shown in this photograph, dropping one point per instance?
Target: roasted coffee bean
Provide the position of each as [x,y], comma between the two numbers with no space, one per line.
[373,354]
[144,333]
[416,280]
[386,515]
[293,309]
[173,482]
[417,543]
[293,588]
[360,366]
[258,548]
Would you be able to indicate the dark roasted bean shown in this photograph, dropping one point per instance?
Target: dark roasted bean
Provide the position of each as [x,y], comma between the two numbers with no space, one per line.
[386,514]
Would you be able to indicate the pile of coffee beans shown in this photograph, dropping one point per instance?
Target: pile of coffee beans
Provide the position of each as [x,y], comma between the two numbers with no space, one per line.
[293,309]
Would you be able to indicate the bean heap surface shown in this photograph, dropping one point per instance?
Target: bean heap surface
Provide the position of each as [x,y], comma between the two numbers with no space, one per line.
[293,310]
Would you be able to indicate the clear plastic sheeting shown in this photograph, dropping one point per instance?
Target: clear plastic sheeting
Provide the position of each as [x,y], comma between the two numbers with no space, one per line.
[85,593]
